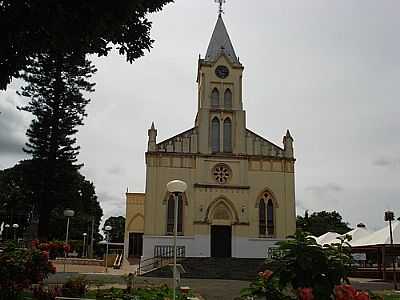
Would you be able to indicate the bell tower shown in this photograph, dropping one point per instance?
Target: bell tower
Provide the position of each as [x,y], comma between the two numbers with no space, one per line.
[221,120]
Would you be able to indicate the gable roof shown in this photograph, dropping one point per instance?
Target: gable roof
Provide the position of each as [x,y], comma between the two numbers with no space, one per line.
[220,43]
[380,237]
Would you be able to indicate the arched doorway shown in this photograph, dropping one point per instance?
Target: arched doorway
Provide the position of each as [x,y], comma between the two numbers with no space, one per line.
[221,218]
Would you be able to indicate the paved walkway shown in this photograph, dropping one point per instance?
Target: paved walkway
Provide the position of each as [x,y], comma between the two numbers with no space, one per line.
[209,289]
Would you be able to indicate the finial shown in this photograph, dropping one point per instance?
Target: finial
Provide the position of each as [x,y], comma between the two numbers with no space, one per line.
[152,126]
[221,2]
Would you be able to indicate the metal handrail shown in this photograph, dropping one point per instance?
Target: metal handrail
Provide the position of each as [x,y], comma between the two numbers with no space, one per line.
[160,261]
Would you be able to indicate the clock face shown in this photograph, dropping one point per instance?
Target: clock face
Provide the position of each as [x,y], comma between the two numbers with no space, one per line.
[222,72]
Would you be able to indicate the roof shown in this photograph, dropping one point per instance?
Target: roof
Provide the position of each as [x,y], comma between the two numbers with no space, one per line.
[358,233]
[328,238]
[220,43]
[380,237]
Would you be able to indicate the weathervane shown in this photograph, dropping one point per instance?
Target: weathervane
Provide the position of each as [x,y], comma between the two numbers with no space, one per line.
[221,2]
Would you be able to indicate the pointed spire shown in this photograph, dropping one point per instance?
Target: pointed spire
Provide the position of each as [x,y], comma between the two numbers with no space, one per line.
[152,142]
[288,135]
[288,144]
[220,43]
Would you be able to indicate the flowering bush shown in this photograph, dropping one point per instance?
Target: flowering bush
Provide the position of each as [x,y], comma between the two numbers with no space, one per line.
[20,268]
[75,287]
[56,248]
[307,271]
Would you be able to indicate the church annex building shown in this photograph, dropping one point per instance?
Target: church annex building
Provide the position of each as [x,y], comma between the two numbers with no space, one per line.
[241,187]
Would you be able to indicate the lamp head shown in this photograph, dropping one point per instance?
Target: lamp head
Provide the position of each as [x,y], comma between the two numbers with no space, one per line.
[389,215]
[15,226]
[7,226]
[69,213]
[176,186]
[108,228]
[84,234]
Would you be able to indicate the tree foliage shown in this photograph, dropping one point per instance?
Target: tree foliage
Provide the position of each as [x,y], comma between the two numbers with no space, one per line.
[118,228]
[319,223]
[19,184]
[55,86]
[33,27]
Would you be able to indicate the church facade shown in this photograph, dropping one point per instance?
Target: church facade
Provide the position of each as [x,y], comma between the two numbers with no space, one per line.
[241,187]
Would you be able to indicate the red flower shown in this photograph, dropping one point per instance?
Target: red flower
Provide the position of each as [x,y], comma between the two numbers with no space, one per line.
[345,292]
[265,275]
[67,248]
[35,243]
[306,294]
[362,296]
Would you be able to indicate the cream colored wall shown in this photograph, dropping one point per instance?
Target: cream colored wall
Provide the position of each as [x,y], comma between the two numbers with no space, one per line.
[209,81]
[134,213]
[257,165]
[250,178]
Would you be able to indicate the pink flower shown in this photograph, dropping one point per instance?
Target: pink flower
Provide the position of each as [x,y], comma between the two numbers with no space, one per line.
[306,294]
[345,292]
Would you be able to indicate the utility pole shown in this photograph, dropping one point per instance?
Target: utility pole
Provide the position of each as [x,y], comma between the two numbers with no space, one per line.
[91,239]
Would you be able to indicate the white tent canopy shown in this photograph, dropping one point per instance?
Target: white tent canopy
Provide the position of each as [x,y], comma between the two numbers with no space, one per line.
[358,233]
[380,237]
[328,238]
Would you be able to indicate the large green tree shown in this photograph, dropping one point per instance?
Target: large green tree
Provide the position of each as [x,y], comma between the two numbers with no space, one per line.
[118,228]
[18,185]
[29,28]
[55,86]
[321,222]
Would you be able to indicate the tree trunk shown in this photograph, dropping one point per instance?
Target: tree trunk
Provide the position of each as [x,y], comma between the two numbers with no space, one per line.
[47,201]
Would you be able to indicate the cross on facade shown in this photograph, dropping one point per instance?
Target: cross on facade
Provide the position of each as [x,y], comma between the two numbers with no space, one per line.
[220,2]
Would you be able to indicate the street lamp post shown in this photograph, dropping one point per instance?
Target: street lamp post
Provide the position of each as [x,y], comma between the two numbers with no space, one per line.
[107,230]
[176,187]
[84,245]
[15,227]
[389,217]
[7,229]
[68,213]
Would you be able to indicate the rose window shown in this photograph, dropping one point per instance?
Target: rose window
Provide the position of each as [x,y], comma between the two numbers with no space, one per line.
[222,173]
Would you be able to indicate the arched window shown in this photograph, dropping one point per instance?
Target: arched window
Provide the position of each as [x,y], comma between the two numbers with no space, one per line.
[227,135]
[215,135]
[228,99]
[270,217]
[215,98]
[261,217]
[171,214]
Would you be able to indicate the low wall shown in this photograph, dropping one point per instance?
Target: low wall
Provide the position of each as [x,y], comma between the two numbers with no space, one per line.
[79,261]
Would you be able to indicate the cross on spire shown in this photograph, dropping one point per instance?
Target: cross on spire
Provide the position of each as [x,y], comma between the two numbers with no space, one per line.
[221,3]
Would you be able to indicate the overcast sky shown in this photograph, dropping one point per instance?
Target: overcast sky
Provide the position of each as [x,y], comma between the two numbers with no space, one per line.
[327,70]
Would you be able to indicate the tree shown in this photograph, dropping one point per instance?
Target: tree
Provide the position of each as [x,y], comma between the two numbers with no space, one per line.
[19,184]
[322,222]
[55,86]
[118,228]
[33,27]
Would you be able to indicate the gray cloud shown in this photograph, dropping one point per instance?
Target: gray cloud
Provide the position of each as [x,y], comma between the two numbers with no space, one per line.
[327,70]
[387,162]
[116,170]
[13,124]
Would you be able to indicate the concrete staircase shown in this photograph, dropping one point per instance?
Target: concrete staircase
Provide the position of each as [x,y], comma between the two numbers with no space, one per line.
[214,268]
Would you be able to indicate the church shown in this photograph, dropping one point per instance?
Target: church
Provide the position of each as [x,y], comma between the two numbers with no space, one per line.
[240,198]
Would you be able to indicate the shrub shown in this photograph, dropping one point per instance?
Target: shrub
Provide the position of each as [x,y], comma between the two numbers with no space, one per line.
[307,271]
[20,268]
[40,293]
[75,287]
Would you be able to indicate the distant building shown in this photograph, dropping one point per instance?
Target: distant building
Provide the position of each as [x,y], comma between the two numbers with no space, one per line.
[241,187]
